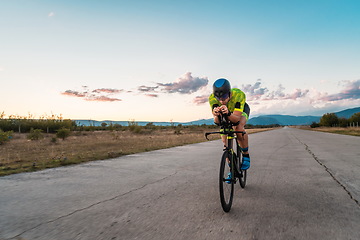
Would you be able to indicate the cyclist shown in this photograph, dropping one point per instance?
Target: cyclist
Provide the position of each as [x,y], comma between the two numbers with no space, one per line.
[231,102]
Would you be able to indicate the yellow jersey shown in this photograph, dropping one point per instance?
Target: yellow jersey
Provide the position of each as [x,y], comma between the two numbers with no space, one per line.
[236,102]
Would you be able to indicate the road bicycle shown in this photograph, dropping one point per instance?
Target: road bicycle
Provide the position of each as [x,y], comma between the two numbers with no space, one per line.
[230,165]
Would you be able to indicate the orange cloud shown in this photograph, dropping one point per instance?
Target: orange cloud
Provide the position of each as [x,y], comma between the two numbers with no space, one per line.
[99,95]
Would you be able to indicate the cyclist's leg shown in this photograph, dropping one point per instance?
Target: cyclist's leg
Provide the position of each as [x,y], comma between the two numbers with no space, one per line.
[243,140]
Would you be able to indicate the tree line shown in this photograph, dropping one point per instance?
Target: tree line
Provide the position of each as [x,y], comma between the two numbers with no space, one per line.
[332,120]
[24,125]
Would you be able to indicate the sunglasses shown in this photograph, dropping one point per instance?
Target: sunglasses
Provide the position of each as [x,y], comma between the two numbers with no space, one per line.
[223,97]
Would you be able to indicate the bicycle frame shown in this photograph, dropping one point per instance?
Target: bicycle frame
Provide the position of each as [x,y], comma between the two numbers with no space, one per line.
[227,129]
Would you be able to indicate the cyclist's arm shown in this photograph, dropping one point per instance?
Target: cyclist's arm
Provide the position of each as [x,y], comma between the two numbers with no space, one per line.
[216,113]
[214,104]
[235,116]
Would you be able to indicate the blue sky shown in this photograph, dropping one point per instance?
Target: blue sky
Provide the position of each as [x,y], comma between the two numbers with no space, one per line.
[157,60]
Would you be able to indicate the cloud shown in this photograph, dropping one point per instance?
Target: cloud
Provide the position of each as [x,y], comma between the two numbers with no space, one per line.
[99,95]
[257,92]
[351,91]
[107,90]
[51,14]
[72,93]
[186,84]
[301,101]
[298,93]
[152,95]
[147,89]
[280,95]
[254,92]
[198,100]
[101,99]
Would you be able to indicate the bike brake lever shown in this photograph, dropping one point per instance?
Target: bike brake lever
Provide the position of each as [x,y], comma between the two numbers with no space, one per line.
[206,136]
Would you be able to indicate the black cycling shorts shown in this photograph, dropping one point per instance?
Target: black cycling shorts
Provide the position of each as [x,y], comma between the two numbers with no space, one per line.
[247,109]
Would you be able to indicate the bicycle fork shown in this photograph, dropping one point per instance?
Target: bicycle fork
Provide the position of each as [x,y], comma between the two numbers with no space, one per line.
[235,173]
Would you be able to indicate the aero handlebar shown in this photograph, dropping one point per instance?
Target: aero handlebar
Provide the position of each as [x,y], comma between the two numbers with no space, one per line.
[226,125]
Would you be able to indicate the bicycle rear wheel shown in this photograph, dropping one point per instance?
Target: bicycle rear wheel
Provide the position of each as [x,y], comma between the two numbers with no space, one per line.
[226,186]
[242,179]
[243,173]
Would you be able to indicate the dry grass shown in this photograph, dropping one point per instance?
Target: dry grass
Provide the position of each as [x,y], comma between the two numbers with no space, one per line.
[23,155]
[353,131]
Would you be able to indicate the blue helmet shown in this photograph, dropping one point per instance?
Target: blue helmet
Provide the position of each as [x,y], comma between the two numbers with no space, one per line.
[221,88]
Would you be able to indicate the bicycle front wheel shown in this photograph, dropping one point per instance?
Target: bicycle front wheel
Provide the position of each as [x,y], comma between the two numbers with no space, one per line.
[226,182]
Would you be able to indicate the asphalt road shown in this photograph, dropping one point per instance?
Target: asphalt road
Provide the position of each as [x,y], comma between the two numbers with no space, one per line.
[301,185]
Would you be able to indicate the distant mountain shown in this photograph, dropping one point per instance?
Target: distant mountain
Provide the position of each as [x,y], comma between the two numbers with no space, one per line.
[297,120]
[348,112]
[209,121]
[260,120]
[283,120]
[263,120]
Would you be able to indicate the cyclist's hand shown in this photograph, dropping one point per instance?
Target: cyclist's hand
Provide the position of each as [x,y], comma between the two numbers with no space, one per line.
[224,110]
[216,111]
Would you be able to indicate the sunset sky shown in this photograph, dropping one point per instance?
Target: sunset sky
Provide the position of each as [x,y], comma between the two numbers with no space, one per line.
[156,60]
